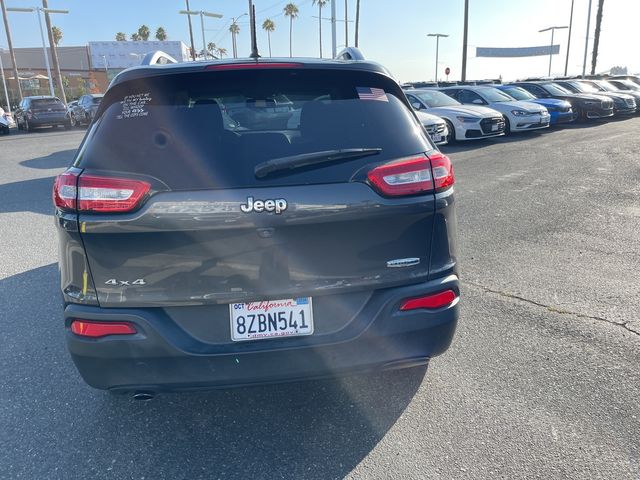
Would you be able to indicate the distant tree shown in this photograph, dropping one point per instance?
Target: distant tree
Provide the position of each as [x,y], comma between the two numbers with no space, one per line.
[144,33]
[57,35]
[121,37]
[212,49]
[269,26]
[161,34]
[235,30]
[321,4]
[222,52]
[291,11]
[135,37]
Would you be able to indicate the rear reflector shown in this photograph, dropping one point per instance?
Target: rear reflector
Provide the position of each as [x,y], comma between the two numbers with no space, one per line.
[86,328]
[413,175]
[242,66]
[436,300]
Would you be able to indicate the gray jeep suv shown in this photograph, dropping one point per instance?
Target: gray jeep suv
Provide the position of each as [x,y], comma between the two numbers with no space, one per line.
[205,246]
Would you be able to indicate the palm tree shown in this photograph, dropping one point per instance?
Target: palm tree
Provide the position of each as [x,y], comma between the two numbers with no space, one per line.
[235,30]
[121,37]
[144,32]
[135,36]
[222,52]
[212,49]
[291,11]
[321,4]
[57,35]
[161,34]
[269,26]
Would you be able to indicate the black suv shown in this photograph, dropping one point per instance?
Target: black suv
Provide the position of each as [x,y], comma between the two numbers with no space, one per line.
[198,251]
[85,109]
[41,111]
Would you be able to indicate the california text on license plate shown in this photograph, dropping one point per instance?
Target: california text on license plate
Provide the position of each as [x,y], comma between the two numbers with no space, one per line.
[271,319]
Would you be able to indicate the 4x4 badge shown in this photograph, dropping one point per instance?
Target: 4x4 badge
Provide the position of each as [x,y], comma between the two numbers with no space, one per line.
[124,283]
[276,206]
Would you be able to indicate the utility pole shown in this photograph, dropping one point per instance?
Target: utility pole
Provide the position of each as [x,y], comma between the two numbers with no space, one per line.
[586,43]
[346,23]
[334,46]
[357,22]
[4,84]
[596,38]
[566,63]
[10,44]
[54,53]
[464,41]
[193,45]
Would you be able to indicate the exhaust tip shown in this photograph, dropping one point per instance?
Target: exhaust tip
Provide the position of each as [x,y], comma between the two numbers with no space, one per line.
[144,396]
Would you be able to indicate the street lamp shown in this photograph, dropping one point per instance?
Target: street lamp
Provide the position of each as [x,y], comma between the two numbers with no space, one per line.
[202,14]
[38,11]
[4,84]
[234,43]
[553,31]
[437,35]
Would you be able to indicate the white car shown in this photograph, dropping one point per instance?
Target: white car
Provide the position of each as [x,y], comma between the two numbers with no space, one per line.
[518,114]
[464,122]
[435,126]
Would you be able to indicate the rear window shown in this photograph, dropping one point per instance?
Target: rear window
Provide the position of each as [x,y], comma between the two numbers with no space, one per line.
[210,129]
[45,102]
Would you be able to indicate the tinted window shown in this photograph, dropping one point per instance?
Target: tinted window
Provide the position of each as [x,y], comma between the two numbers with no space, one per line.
[434,99]
[45,102]
[210,129]
[467,96]
[556,89]
[519,93]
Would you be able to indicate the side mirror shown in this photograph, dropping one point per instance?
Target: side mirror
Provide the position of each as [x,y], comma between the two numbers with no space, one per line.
[477,101]
[417,105]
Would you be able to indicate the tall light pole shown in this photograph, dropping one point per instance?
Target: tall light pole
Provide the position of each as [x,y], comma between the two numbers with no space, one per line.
[566,62]
[53,50]
[586,43]
[463,76]
[437,35]
[553,31]
[38,11]
[193,45]
[202,14]
[10,45]
[334,44]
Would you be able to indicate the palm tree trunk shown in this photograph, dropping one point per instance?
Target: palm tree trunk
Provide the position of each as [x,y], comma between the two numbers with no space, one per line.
[290,37]
[320,26]
[269,37]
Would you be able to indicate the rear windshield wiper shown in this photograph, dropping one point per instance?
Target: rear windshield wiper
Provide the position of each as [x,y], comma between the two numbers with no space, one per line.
[306,159]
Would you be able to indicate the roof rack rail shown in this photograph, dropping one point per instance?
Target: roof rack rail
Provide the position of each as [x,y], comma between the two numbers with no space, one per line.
[158,58]
[350,53]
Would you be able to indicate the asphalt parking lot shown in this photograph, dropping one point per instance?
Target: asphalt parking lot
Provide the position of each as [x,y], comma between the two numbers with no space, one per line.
[542,380]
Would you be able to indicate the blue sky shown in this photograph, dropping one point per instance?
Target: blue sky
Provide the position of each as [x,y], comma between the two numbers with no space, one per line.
[393,33]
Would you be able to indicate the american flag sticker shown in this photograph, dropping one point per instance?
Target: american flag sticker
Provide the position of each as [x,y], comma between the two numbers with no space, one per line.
[370,93]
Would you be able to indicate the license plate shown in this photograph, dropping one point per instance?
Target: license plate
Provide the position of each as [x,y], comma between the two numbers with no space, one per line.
[290,317]
[494,128]
[436,138]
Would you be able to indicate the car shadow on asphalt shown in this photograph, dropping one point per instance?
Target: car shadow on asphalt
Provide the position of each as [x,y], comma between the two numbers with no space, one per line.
[60,159]
[27,196]
[312,429]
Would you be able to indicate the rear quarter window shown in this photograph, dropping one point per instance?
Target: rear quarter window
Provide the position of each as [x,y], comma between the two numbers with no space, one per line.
[210,129]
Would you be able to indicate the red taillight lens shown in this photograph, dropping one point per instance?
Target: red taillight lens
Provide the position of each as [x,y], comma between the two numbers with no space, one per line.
[64,191]
[436,300]
[241,66]
[413,175]
[92,329]
[406,176]
[442,171]
[104,194]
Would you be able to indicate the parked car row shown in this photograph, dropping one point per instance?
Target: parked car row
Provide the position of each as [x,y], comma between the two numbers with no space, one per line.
[488,110]
[47,111]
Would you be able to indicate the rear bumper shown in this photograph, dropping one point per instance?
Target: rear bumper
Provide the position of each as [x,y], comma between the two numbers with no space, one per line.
[162,356]
[49,121]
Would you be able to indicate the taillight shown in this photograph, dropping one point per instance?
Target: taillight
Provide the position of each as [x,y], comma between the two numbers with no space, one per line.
[432,301]
[105,194]
[88,193]
[64,191]
[85,328]
[413,175]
